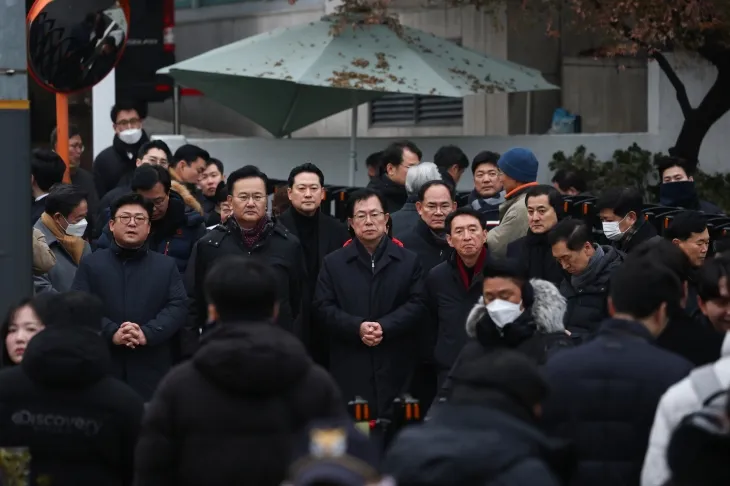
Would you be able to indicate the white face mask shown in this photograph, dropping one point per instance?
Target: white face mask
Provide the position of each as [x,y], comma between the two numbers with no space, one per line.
[131,136]
[77,229]
[503,312]
[612,230]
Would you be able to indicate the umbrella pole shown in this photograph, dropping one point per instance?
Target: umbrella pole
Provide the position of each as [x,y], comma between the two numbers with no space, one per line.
[353,141]
[176,109]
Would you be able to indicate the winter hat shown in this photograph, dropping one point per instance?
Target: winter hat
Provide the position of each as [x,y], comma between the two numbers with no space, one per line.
[507,371]
[334,452]
[520,164]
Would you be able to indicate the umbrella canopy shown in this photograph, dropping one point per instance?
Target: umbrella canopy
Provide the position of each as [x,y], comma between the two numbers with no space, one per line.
[288,78]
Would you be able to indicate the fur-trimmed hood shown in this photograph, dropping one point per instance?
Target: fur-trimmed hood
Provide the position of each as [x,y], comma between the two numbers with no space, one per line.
[179,187]
[548,309]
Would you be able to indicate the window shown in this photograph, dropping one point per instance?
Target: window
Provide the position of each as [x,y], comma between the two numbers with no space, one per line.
[403,109]
[398,109]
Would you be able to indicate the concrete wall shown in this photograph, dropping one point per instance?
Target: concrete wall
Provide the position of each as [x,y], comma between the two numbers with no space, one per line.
[277,157]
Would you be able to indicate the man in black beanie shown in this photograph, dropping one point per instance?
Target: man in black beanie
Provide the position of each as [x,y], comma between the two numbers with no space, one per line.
[79,423]
[486,433]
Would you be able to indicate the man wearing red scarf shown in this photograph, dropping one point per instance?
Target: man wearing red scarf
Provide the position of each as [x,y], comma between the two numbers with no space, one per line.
[454,286]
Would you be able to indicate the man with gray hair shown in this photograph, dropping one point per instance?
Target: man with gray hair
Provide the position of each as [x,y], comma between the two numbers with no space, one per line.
[405,219]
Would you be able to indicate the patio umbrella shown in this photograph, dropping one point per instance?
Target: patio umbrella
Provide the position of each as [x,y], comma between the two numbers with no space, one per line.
[290,77]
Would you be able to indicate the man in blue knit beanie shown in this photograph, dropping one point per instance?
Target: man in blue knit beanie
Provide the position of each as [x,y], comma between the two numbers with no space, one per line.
[517,172]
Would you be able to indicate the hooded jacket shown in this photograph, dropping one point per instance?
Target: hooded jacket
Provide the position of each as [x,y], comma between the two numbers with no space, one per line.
[538,332]
[678,401]
[79,423]
[231,414]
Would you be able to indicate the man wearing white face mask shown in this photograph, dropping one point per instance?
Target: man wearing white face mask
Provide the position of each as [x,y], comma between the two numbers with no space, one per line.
[63,224]
[117,162]
[514,312]
[621,212]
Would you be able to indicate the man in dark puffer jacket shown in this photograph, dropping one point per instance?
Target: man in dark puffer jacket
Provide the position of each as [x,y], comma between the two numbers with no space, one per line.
[230,415]
[590,267]
[604,393]
[79,422]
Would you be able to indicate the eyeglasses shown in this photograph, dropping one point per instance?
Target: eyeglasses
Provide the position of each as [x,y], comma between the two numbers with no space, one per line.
[257,198]
[77,146]
[155,161]
[374,216]
[126,219]
[159,201]
[132,123]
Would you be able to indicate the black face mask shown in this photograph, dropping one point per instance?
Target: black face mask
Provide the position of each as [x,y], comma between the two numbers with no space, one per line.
[680,194]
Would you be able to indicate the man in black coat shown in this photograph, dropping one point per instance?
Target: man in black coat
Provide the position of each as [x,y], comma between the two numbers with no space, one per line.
[436,200]
[454,286]
[79,423]
[395,161]
[622,218]
[369,298]
[117,161]
[544,210]
[486,434]
[231,414]
[589,268]
[604,393]
[319,234]
[143,295]
[248,232]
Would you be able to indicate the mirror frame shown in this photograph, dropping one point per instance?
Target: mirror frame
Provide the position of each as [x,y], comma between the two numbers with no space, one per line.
[35,10]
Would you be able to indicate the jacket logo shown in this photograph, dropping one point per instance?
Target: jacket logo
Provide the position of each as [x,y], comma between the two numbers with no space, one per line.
[56,423]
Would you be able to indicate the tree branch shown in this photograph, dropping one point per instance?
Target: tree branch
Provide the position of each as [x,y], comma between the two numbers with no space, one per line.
[677,83]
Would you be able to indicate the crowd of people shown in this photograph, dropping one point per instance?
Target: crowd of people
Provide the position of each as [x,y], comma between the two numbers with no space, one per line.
[185,332]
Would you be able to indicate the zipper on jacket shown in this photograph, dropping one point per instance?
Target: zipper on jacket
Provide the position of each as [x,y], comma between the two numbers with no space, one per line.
[372,263]
[167,247]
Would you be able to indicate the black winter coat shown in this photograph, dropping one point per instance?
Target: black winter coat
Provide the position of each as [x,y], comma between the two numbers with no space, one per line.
[279,248]
[331,236]
[395,195]
[143,287]
[538,332]
[449,303]
[79,423]
[603,396]
[430,249]
[115,162]
[474,445]
[587,304]
[231,414]
[354,287]
[692,337]
[536,255]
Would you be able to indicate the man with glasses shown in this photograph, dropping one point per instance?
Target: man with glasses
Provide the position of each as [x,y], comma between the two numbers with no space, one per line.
[252,233]
[368,298]
[143,296]
[118,160]
[436,200]
[174,231]
[79,176]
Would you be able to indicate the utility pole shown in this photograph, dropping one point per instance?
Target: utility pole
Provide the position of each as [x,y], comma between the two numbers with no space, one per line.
[16,258]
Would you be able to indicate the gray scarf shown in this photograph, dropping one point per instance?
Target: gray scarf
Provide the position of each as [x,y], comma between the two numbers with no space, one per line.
[580,280]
